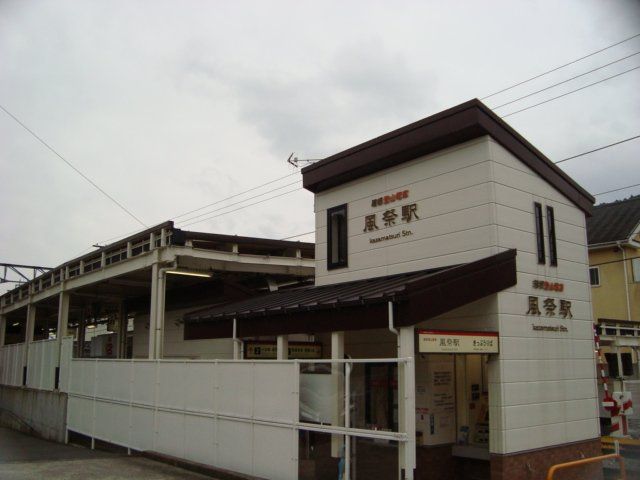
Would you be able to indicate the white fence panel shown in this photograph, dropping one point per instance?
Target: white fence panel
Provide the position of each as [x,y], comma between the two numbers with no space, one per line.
[42,363]
[237,415]
[276,382]
[207,412]
[234,389]
[11,364]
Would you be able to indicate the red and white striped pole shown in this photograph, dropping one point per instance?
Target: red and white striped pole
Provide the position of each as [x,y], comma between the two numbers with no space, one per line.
[607,402]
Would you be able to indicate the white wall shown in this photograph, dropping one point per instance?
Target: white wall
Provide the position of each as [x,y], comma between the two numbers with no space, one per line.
[474,201]
[543,389]
[174,344]
[453,191]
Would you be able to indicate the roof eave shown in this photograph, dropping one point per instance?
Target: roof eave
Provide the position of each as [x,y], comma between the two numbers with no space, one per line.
[451,127]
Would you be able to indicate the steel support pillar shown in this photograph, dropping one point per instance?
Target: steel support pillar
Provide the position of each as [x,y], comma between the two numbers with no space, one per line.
[156,312]
[123,324]
[63,320]
[3,329]
[283,347]
[337,374]
[407,403]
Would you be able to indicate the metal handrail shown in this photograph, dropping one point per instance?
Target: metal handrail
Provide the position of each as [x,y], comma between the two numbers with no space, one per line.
[585,461]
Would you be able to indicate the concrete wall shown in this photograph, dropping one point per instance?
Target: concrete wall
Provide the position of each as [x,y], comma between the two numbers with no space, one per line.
[37,412]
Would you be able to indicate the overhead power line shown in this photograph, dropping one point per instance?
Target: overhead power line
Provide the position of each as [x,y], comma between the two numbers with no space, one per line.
[598,149]
[616,190]
[244,206]
[298,235]
[564,81]
[246,199]
[572,91]
[560,67]
[234,195]
[613,261]
[75,169]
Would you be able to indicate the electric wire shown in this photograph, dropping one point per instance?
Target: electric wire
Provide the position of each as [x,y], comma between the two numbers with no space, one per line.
[616,190]
[560,67]
[598,149]
[572,91]
[512,113]
[234,195]
[246,199]
[298,235]
[43,142]
[563,81]
[242,207]
[612,261]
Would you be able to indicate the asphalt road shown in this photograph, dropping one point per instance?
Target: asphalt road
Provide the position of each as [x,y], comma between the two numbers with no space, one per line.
[23,457]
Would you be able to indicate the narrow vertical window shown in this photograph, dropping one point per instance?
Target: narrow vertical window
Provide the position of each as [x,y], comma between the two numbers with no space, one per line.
[594,276]
[551,228]
[337,237]
[539,232]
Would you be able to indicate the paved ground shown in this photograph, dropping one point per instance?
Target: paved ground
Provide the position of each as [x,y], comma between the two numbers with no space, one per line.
[23,457]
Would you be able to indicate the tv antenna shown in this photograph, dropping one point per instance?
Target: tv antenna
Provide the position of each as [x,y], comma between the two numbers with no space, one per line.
[295,161]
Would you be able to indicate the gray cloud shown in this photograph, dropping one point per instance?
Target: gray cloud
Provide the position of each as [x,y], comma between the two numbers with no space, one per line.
[173,106]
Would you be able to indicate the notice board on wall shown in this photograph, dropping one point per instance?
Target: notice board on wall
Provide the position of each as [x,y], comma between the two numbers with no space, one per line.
[435,399]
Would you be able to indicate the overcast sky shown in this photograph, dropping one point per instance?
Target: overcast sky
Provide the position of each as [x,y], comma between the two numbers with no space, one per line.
[169,106]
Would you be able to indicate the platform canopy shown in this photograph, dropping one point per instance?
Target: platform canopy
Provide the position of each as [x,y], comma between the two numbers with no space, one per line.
[362,304]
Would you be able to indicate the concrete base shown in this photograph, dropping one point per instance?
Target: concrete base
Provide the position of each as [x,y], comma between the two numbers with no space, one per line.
[36,412]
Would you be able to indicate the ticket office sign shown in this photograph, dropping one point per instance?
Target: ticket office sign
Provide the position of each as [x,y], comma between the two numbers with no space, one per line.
[441,341]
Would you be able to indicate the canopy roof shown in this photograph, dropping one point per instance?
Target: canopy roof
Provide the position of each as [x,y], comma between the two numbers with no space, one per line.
[357,305]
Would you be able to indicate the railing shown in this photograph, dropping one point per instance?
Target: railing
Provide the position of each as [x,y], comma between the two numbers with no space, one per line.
[119,253]
[621,329]
[587,461]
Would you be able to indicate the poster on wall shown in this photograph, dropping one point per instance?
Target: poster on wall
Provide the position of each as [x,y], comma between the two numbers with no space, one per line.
[435,399]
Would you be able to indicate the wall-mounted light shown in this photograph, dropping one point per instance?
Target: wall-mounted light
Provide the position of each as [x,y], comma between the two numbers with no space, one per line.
[15,324]
[91,326]
[189,273]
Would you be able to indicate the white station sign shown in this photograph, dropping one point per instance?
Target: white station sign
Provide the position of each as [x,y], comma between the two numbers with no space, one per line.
[441,341]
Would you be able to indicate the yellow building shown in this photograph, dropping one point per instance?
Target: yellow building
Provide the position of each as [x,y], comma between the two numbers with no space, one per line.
[614,258]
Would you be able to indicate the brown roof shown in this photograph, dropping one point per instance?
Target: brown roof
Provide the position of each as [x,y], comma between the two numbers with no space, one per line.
[456,125]
[359,304]
[613,222]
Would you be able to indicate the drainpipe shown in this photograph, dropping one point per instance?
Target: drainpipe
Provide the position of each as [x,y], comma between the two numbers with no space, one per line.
[626,280]
[626,294]
[392,329]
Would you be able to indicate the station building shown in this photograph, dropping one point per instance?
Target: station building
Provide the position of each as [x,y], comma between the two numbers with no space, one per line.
[448,333]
